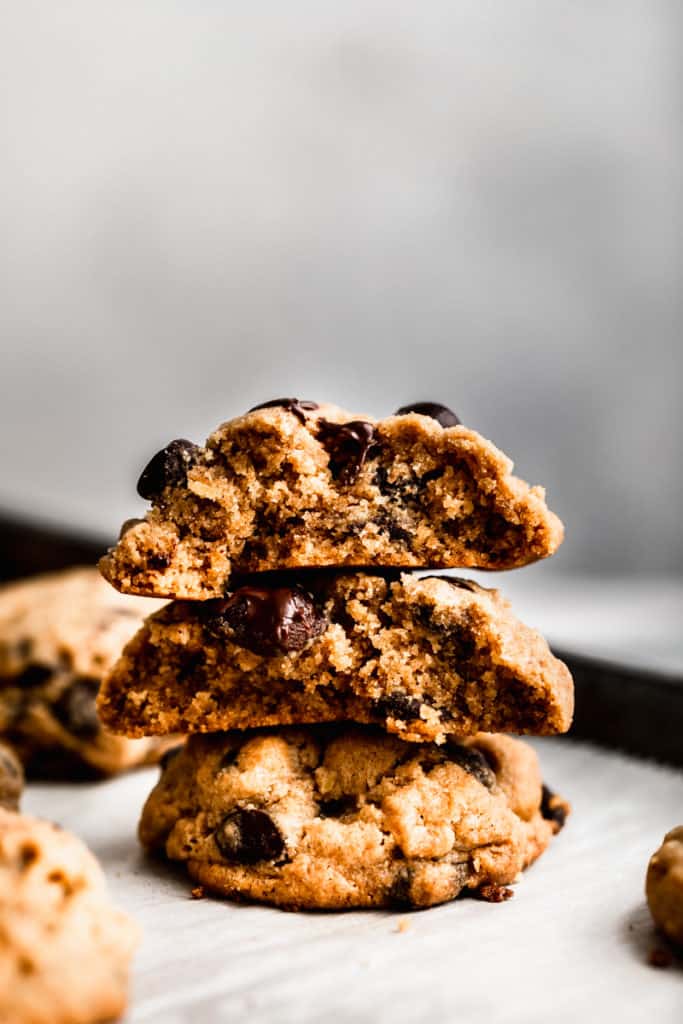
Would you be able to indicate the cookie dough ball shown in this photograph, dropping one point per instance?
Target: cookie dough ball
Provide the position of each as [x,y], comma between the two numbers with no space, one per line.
[664,885]
[64,950]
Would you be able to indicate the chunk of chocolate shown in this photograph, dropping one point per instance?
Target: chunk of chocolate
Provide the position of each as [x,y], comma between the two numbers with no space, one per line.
[76,709]
[473,761]
[294,405]
[553,807]
[441,413]
[247,835]
[337,808]
[265,620]
[456,581]
[168,468]
[348,445]
[398,705]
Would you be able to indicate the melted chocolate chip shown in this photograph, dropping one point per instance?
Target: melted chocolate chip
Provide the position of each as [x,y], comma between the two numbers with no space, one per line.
[266,620]
[34,675]
[76,708]
[168,756]
[441,413]
[294,405]
[473,761]
[455,581]
[398,705]
[248,836]
[552,808]
[168,468]
[347,445]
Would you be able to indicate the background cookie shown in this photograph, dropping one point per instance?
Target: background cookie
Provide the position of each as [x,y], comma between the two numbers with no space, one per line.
[65,951]
[59,634]
[664,885]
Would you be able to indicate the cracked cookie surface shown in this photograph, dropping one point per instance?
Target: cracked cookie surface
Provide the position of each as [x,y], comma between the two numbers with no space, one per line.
[422,657]
[340,817]
[64,950]
[59,634]
[296,484]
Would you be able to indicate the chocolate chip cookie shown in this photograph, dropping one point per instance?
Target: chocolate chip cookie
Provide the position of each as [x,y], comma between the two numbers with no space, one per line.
[424,658]
[64,950]
[295,484]
[59,634]
[329,817]
[664,886]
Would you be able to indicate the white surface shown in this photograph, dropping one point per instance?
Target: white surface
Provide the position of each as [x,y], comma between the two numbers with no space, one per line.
[570,946]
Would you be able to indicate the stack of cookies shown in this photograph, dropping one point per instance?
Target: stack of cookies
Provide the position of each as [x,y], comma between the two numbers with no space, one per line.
[347,726]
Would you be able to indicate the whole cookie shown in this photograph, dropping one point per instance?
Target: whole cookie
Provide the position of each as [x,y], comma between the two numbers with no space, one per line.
[333,818]
[295,484]
[59,634]
[423,658]
[11,778]
[664,885]
[64,950]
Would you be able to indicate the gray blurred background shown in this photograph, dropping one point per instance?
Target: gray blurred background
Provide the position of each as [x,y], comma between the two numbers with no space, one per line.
[205,205]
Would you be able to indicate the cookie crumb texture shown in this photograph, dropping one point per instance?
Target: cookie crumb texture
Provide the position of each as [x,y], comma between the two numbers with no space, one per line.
[332,818]
[664,886]
[64,950]
[59,634]
[423,658]
[298,484]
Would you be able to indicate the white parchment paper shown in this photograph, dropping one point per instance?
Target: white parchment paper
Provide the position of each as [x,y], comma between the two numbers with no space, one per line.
[570,946]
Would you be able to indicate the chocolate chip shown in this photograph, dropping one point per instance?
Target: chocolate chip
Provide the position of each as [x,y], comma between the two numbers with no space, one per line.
[552,807]
[455,581]
[169,755]
[473,761]
[168,468]
[398,705]
[337,808]
[347,445]
[293,405]
[34,676]
[248,836]
[400,892]
[76,709]
[441,413]
[265,620]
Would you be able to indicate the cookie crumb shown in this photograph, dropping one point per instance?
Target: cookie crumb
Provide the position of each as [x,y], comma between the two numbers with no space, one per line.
[660,957]
[402,926]
[494,893]
[198,893]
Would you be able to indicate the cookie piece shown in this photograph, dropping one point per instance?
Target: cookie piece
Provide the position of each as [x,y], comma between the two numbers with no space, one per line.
[11,778]
[295,484]
[424,658]
[59,634]
[664,886]
[329,818]
[64,950]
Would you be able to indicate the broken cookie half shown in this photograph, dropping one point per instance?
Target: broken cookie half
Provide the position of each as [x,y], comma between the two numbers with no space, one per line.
[422,657]
[295,484]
